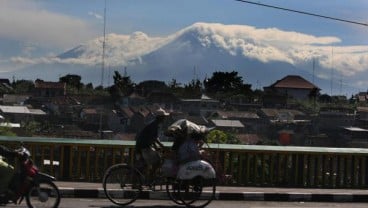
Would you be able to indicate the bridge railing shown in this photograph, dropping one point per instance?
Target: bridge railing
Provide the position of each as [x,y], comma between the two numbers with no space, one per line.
[246,165]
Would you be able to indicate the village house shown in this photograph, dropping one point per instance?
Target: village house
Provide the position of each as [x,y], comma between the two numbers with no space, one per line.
[250,120]
[119,120]
[362,97]
[205,106]
[330,119]
[18,114]
[233,126]
[353,137]
[49,89]
[275,122]
[292,86]
[362,117]
[14,99]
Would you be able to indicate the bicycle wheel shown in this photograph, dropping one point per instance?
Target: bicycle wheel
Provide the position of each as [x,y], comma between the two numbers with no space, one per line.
[44,193]
[197,192]
[122,184]
[172,190]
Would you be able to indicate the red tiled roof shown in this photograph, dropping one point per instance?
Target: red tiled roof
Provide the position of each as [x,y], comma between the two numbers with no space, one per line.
[294,81]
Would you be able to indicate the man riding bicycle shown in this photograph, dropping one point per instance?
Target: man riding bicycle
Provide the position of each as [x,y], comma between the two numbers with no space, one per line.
[148,142]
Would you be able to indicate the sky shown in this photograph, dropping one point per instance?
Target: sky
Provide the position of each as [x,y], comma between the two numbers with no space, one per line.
[41,28]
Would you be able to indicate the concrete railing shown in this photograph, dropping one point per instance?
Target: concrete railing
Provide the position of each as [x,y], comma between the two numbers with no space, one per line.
[247,165]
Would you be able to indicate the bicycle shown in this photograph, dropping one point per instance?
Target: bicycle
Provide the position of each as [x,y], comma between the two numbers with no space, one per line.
[193,185]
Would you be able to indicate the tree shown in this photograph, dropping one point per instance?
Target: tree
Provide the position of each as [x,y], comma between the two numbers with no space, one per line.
[193,89]
[23,86]
[226,82]
[221,137]
[72,81]
[123,86]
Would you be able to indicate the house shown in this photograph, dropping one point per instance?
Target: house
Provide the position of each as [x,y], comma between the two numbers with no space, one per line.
[5,86]
[274,121]
[362,97]
[249,119]
[49,89]
[204,106]
[166,100]
[90,118]
[120,120]
[331,119]
[362,117]
[14,99]
[18,114]
[233,126]
[353,137]
[133,99]
[292,86]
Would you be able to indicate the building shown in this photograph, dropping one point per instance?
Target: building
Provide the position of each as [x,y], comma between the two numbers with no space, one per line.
[292,86]
[49,89]
[205,106]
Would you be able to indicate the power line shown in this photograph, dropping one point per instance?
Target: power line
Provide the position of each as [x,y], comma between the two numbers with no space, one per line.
[305,13]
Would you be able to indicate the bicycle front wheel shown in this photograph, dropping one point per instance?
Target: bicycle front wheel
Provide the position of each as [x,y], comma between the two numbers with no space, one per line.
[122,184]
[44,193]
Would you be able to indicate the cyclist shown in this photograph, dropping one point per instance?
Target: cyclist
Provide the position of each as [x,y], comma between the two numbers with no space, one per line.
[148,142]
[6,170]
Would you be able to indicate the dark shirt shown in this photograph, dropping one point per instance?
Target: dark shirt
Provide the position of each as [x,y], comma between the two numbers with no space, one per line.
[5,152]
[147,136]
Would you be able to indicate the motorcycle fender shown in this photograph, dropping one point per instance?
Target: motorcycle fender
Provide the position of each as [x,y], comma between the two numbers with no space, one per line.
[44,176]
[194,169]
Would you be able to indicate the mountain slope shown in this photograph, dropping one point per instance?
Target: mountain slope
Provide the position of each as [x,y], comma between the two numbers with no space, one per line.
[261,56]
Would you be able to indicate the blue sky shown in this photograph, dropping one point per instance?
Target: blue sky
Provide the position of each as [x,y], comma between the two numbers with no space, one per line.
[162,17]
[37,28]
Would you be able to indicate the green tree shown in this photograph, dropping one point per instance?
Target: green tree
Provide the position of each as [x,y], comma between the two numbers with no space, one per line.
[6,131]
[221,137]
[123,86]
[23,86]
[193,89]
[73,83]
[31,127]
[226,82]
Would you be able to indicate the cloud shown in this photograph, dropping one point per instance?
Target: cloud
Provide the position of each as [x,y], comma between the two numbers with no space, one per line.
[265,45]
[25,21]
[97,16]
[272,44]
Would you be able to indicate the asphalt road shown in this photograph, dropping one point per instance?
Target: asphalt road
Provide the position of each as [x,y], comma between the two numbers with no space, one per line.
[104,203]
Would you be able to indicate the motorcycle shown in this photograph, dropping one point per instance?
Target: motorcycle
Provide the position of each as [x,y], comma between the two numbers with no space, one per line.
[28,182]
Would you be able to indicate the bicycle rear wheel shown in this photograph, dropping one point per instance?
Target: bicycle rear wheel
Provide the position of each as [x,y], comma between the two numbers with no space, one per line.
[122,184]
[172,190]
[197,192]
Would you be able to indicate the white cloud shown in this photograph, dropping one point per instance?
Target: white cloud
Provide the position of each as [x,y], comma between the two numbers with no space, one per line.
[25,21]
[265,45]
[94,14]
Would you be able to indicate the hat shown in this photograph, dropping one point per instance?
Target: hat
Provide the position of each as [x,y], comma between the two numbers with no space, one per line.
[161,112]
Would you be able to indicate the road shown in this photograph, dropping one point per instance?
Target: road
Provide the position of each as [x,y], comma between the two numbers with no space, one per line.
[104,203]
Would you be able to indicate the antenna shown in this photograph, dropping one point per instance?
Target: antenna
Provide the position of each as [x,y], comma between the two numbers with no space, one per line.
[103,64]
[314,64]
[125,72]
[332,70]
